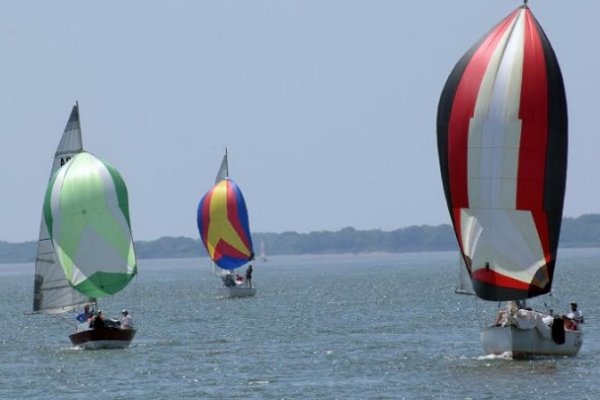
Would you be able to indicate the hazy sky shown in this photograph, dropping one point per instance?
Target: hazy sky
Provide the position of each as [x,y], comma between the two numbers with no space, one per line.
[327,107]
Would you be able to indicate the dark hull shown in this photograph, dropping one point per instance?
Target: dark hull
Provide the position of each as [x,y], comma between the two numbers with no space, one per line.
[103,338]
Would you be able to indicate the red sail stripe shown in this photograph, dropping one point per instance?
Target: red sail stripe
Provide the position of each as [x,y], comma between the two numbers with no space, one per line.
[534,131]
[463,109]
[232,213]
[205,209]
[494,278]
[225,250]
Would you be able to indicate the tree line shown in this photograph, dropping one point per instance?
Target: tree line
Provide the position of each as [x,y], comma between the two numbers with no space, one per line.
[583,231]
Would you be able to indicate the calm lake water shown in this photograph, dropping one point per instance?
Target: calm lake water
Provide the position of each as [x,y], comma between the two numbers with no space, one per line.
[375,326]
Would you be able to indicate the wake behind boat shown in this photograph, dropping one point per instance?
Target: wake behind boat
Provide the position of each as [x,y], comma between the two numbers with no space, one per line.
[502,144]
[85,250]
[225,232]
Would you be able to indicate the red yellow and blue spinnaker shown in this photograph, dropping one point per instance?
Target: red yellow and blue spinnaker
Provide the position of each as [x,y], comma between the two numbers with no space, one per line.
[223,225]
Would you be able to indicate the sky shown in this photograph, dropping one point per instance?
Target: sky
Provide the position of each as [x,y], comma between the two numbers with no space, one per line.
[327,108]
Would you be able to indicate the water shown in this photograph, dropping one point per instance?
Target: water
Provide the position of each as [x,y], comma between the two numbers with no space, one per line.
[375,326]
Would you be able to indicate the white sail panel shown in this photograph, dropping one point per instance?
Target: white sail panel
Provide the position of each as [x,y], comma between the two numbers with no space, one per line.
[510,242]
[495,129]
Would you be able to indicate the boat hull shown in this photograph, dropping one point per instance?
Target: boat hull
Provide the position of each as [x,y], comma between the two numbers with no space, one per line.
[239,291]
[103,338]
[528,343]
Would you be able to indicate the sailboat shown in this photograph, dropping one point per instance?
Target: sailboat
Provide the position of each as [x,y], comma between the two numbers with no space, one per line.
[263,250]
[502,144]
[85,249]
[225,232]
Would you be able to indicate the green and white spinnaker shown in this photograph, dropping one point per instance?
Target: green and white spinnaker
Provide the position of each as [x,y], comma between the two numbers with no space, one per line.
[86,211]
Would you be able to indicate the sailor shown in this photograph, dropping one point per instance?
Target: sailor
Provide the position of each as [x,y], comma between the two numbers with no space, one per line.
[228,280]
[85,315]
[575,315]
[249,276]
[126,320]
[97,321]
[501,318]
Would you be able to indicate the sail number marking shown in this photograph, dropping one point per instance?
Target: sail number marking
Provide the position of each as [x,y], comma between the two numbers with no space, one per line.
[64,160]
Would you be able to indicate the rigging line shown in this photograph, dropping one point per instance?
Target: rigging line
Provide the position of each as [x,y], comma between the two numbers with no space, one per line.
[133,303]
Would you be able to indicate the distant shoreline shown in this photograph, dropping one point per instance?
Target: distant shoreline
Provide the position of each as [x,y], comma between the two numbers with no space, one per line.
[580,232]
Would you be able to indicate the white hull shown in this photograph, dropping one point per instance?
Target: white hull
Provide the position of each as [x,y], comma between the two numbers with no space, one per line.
[238,291]
[527,343]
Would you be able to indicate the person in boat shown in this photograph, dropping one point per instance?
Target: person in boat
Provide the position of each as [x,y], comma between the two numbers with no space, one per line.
[126,320]
[575,314]
[97,321]
[573,318]
[239,279]
[228,280]
[504,316]
[249,276]
[85,315]
[501,318]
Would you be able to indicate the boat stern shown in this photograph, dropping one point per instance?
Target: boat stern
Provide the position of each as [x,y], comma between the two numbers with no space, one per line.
[497,340]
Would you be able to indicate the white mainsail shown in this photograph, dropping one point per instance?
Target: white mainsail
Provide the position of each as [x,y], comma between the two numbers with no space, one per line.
[52,293]
[223,169]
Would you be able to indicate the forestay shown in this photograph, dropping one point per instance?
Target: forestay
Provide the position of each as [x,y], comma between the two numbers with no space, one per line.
[502,141]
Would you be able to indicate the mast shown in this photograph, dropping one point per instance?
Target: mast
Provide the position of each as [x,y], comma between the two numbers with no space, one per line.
[78,116]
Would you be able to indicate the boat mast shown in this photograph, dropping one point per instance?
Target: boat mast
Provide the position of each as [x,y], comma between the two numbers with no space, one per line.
[79,121]
[226,164]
